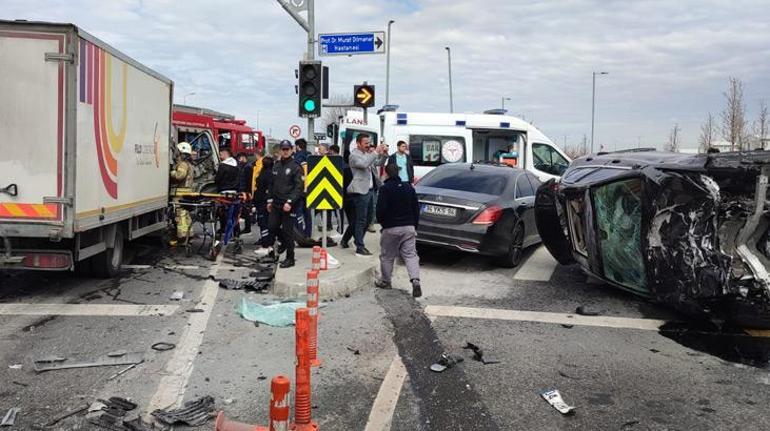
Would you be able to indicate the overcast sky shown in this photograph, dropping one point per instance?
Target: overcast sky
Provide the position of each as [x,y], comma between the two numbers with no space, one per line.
[668,61]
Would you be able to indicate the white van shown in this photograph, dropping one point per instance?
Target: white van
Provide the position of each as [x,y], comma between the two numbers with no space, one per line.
[438,138]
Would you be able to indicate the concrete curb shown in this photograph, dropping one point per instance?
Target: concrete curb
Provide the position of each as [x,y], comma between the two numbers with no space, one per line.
[334,283]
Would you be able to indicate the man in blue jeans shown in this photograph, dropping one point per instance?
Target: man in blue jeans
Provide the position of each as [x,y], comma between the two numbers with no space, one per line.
[360,190]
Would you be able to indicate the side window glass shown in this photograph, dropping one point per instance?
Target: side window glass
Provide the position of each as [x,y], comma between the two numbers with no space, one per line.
[547,159]
[430,150]
[523,187]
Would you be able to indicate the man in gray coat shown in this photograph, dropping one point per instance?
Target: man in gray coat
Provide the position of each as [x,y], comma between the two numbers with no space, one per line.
[360,190]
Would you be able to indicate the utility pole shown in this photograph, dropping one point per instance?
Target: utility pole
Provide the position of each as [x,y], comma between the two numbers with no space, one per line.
[449,58]
[387,66]
[593,105]
[502,100]
[311,56]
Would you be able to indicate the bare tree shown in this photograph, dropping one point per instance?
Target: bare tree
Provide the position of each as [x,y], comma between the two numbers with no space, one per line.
[708,133]
[332,115]
[761,125]
[579,150]
[734,115]
[674,139]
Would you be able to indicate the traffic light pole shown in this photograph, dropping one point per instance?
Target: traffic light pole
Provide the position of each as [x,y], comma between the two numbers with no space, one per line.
[311,55]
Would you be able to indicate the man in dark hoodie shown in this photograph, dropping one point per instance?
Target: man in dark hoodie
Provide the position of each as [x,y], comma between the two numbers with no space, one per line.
[228,178]
[398,213]
[284,192]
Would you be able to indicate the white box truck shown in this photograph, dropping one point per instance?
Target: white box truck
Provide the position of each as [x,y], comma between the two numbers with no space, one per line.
[84,149]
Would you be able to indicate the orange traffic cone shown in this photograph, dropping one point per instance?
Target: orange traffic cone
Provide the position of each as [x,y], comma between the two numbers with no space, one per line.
[316,262]
[303,406]
[279,403]
[324,264]
[312,305]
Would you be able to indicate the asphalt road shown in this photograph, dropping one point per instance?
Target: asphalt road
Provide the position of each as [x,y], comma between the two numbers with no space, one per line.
[377,346]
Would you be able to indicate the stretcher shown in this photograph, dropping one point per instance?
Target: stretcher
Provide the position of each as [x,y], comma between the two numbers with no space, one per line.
[216,216]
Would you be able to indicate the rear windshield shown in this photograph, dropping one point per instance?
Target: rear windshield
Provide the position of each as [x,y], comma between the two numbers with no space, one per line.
[467,180]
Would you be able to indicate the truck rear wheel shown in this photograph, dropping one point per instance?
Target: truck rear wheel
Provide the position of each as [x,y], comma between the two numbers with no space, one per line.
[107,264]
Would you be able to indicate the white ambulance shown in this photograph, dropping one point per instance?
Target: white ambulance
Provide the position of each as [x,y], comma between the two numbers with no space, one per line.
[438,138]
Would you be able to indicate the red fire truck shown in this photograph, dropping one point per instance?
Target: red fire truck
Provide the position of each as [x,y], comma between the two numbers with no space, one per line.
[225,130]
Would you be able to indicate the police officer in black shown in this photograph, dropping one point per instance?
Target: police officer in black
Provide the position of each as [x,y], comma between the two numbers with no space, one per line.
[284,192]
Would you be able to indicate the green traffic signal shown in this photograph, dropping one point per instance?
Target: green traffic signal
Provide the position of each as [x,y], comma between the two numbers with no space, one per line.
[309,105]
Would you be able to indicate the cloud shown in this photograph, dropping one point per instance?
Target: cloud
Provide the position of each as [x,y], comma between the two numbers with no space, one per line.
[668,62]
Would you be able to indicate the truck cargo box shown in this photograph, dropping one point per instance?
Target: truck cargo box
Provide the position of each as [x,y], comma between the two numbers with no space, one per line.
[84,138]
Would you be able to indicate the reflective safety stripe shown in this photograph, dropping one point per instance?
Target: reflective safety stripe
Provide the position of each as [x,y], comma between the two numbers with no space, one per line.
[14,210]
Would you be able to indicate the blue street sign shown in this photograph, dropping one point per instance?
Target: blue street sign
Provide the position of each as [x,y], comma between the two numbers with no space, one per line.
[372,42]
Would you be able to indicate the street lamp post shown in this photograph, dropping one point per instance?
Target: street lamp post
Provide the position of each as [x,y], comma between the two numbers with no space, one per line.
[449,62]
[502,100]
[593,105]
[387,66]
[184,98]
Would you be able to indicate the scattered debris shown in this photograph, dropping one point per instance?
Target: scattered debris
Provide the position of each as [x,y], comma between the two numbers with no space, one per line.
[20,383]
[66,415]
[355,351]
[15,366]
[96,406]
[121,372]
[446,361]
[565,375]
[631,423]
[257,286]
[554,399]
[273,314]
[114,410]
[584,311]
[478,354]
[194,413]
[177,296]
[10,417]
[104,361]
[163,346]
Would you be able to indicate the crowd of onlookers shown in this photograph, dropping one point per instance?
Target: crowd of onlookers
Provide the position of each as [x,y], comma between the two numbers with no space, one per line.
[377,188]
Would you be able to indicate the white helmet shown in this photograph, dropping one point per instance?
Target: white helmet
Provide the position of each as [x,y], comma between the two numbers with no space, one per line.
[184,148]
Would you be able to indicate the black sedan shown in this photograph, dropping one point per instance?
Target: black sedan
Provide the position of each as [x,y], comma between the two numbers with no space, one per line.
[479,208]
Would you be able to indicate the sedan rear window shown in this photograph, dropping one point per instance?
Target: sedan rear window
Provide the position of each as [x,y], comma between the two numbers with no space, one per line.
[467,180]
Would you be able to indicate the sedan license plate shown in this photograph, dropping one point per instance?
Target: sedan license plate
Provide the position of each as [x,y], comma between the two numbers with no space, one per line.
[439,211]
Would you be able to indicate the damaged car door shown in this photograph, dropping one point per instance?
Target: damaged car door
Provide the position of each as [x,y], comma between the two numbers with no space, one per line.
[692,231]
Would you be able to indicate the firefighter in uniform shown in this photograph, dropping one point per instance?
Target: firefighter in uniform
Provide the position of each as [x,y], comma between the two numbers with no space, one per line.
[182,181]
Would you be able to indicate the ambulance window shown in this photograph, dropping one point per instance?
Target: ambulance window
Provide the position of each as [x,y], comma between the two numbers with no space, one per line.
[547,159]
[431,150]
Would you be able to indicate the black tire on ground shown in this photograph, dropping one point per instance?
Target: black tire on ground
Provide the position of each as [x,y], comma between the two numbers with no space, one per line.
[107,264]
[512,259]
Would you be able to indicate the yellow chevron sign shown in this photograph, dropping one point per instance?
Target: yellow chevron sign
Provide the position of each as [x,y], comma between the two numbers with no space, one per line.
[324,182]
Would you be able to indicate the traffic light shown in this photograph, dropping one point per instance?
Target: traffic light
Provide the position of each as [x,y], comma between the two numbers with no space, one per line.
[310,89]
[363,95]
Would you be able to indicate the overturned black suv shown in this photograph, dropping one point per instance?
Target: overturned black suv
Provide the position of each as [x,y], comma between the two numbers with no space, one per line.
[692,231]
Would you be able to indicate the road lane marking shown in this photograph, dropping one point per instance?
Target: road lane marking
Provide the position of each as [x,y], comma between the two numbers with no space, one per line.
[86,310]
[161,267]
[384,406]
[539,266]
[545,317]
[179,368]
